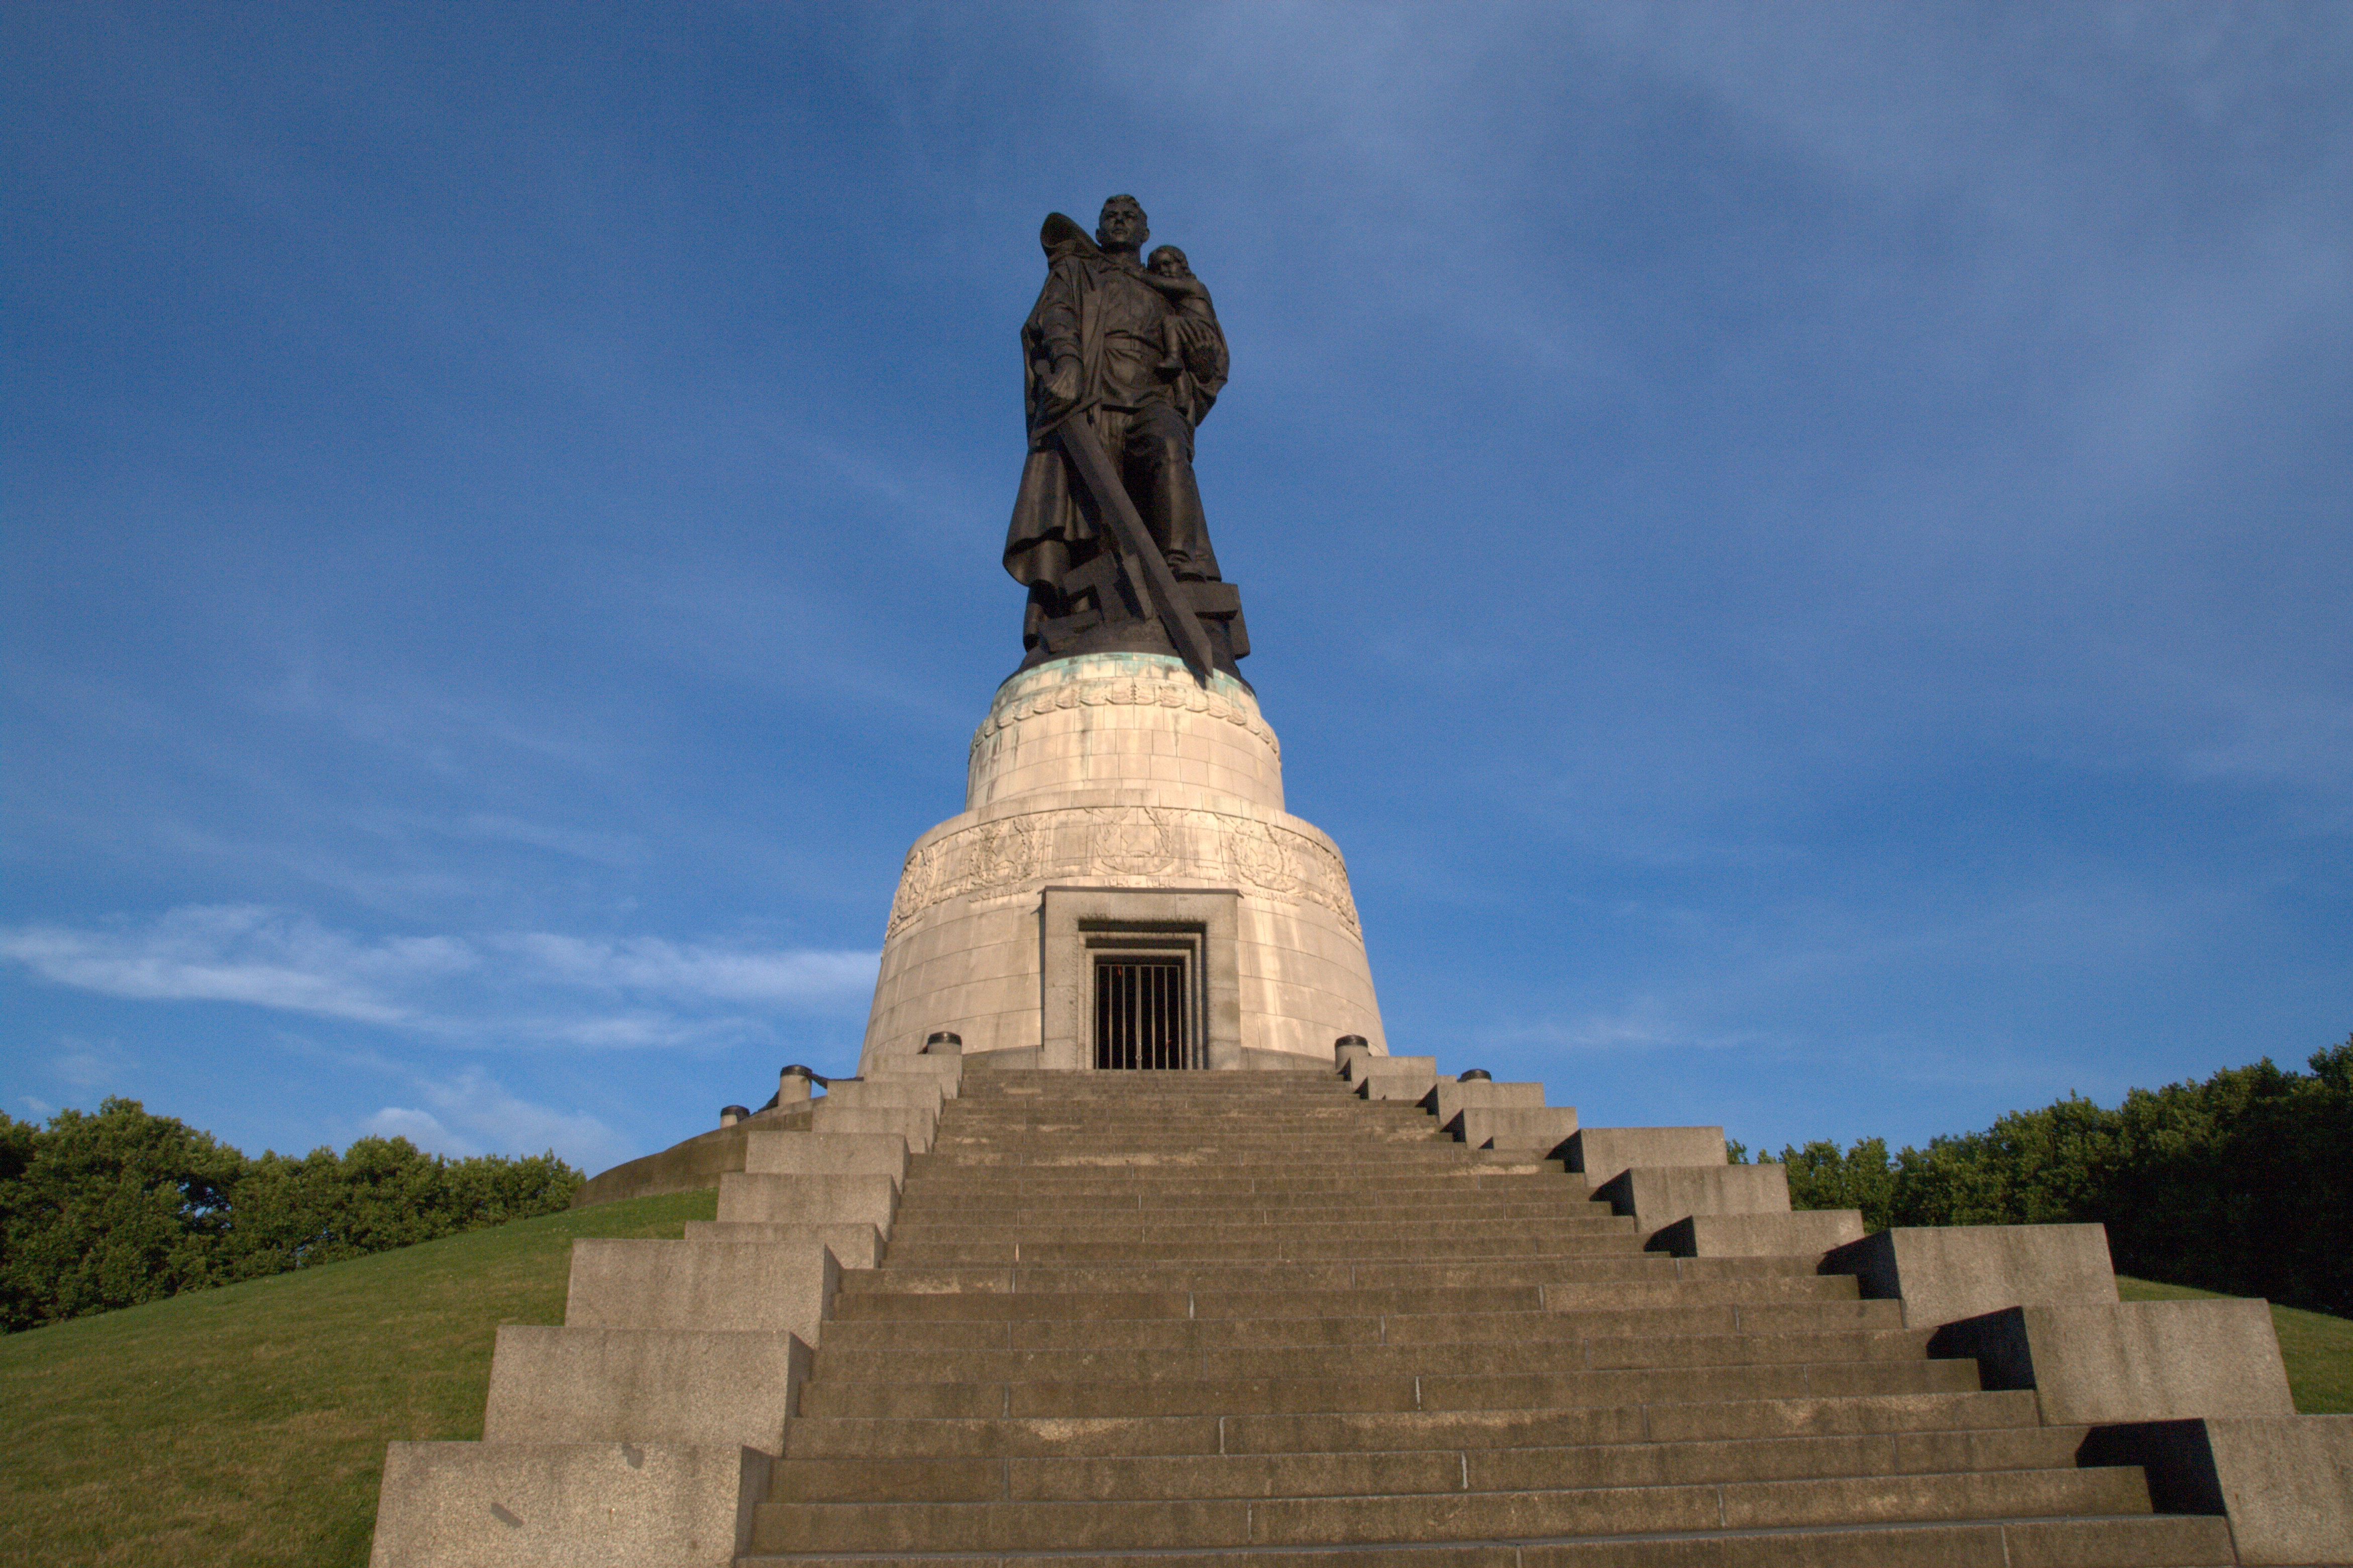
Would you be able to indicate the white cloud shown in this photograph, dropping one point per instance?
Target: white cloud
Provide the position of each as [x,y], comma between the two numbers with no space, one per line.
[670,969]
[475,1114]
[240,952]
[1640,1024]
[41,1108]
[421,1128]
[475,1108]
[537,987]
[88,1064]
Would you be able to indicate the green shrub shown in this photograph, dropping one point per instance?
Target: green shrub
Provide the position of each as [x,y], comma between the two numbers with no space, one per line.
[120,1207]
[2243,1184]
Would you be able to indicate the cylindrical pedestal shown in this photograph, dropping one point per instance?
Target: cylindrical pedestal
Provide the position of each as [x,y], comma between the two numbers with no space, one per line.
[1143,802]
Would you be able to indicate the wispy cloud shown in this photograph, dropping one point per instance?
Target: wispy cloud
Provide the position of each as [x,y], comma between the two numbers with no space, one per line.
[532,987]
[1644,1023]
[672,969]
[473,1113]
[89,1064]
[242,952]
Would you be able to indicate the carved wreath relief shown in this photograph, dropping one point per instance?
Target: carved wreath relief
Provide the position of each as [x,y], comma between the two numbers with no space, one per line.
[1126,691]
[1123,846]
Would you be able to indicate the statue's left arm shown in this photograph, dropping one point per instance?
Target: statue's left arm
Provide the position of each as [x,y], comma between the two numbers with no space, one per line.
[1202,343]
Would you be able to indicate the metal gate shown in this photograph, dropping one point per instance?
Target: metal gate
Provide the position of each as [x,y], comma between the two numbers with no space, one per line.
[1141,1019]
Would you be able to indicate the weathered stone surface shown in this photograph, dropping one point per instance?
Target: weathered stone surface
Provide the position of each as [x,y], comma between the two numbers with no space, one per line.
[808,1199]
[853,1245]
[1120,772]
[701,1388]
[1945,1273]
[1449,1099]
[884,1092]
[1408,1083]
[1361,1066]
[1655,1196]
[1536,1131]
[578,1505]
[2130,1360]
[1804,1233]
[944,1067]
[1602,1152]
[779,1287]
[913,1123]
[815,1154]
[2286,1482]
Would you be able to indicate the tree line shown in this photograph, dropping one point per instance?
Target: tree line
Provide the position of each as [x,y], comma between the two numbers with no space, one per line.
[111,1209]
[2243,1184]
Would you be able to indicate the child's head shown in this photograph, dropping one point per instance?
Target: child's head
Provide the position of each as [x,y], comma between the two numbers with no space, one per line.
[1168,262]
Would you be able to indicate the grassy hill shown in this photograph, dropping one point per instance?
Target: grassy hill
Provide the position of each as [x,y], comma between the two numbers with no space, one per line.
[248,1425]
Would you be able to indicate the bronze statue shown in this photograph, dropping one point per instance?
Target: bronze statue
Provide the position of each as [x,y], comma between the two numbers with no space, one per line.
[1122,359]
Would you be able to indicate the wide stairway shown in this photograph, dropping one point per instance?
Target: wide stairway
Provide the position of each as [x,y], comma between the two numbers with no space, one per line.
[1244,1318]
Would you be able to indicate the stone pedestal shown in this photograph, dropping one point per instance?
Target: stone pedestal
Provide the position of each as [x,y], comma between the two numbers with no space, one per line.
[1120,781]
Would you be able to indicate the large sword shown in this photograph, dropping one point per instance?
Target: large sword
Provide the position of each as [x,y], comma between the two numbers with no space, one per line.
[1145,566]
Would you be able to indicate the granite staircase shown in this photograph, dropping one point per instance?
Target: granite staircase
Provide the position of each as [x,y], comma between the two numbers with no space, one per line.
[1250,1317]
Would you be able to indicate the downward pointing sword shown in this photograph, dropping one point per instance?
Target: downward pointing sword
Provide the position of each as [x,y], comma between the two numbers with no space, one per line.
[1145,566]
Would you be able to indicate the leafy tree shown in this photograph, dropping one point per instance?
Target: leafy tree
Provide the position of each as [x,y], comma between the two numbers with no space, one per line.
[105,1211]
[2242,1184]
[111,1210]
[1862,1178]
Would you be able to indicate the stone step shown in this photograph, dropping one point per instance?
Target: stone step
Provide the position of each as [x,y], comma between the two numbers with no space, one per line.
[1282,1522]
[1171,1476]
[827,1395]
[1335,1130]
[1001,1436]
[1129,1231]
[930,1214]
[858,1300]
[1337,1158]
[1430,1358]
[1051,1248]
[942,1201]
[1464,1169]
[2129,1542]
[1240,1108]
[935,1211]
[1351,1118]
[1305,1154]
[1333,1332]
[1054,1082]
[1533,1268]
[937,1202]
[1084,1345]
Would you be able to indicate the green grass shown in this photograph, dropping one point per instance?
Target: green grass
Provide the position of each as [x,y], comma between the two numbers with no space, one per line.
[2317,1348]
[247,1425]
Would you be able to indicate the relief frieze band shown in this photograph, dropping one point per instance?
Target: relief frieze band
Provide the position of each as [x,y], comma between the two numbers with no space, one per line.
[1128,692]
[1123,846]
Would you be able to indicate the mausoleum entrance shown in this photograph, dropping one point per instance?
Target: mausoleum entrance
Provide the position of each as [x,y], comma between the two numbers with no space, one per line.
[1146,1019]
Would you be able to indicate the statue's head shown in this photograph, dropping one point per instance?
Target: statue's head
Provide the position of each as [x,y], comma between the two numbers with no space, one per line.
[1121,224]
[1168,262]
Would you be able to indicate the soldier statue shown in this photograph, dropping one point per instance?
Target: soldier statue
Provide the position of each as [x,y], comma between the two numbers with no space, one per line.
[1123,359]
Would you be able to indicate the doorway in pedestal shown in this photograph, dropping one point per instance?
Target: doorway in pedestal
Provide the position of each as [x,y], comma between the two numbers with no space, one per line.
[1139,979]
[1144,1012]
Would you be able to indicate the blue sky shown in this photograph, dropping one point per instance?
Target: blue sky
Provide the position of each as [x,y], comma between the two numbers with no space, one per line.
[1802,551]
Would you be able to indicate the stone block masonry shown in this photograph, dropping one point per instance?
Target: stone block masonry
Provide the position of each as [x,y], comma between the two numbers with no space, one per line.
[1119,771]
[1238,1319]
[1234,1319]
